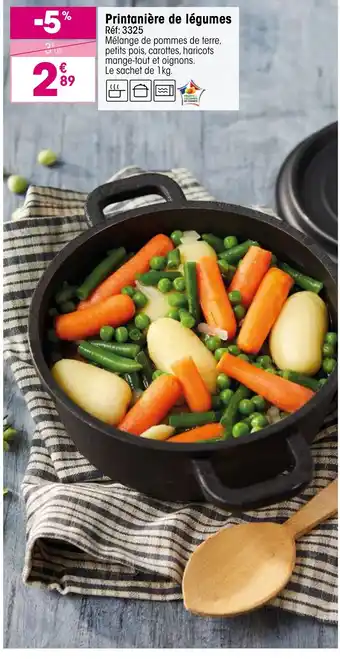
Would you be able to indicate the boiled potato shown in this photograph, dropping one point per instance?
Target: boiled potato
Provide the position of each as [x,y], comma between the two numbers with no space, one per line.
[160,432]
[195,251]
[297,337]
[168,342]
[100,393]
[157,305]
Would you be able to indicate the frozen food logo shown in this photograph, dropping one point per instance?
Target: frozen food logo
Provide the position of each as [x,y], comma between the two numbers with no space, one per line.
[191,93]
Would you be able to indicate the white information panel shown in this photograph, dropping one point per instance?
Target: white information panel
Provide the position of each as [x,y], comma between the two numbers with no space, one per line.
[168,58]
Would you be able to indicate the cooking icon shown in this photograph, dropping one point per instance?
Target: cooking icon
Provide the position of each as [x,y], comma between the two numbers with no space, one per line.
[140,90]
[164,90]
[117,90]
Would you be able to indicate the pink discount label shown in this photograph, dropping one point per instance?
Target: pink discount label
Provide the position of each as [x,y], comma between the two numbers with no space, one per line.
[53,22]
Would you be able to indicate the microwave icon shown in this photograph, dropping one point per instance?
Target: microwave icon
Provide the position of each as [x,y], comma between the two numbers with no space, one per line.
[164,90]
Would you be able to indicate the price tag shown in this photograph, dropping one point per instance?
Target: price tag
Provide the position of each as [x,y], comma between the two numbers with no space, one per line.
[53,55]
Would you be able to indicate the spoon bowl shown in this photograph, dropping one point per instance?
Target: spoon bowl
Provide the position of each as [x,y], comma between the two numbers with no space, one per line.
[242,567]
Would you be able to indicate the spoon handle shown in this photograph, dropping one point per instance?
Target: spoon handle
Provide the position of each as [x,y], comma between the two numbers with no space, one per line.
[321,507]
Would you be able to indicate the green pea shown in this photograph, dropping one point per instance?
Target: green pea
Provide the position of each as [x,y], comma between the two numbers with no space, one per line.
[139,299]
[328,350]
[240,429]
[246,407]
[245,358]
[187,319]
[259,402]
[230,241]
[179,284]
[173,313]
[219,353]
[178,300]
[331,338]
[67,307]
[259,420]
[234,350]
[17,184]
[128,290]
[106,333]
[164,285]
[265,361]
[328,365]
[235,297]
[158,263]
[47,157]
[142,321]
[176,237]
[135,335]
[239,311]
[226,396]
[122,334]
[213,342]
[156,374]
[223,381]
[322,381]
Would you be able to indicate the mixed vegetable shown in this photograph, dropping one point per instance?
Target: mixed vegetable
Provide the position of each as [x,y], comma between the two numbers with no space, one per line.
[192,339]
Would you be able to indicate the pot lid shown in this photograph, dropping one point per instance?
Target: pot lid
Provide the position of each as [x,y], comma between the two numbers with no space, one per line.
[306,188]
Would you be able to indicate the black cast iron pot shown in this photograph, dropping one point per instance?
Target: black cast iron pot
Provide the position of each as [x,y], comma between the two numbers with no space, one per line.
[239,474]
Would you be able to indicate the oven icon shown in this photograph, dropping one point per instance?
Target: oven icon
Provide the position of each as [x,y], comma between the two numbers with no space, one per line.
[164,90]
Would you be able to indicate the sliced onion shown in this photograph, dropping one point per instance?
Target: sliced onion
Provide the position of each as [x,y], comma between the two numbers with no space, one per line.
[190,237]
[273,415]
[213,331]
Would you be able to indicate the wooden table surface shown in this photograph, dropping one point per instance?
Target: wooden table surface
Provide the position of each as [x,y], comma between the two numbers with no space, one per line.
[287,90]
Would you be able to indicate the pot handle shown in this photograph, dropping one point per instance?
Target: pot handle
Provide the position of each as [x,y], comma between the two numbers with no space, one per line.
[259,495]
[130,188]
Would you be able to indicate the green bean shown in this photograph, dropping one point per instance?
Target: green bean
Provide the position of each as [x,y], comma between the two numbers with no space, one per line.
[214,242]
[190,276]
[147,369]
[299,378]
[107,359]
[152,277]
[321,382]
[174,259]
[130,350]
[191,419]
[234,254]
[134,382]
[226,269]
[65,294]
[230,415]
[304,281]
[101,271]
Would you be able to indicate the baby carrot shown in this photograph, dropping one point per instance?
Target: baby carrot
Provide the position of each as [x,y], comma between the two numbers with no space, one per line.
[210,431]
[285,395]
[153,405]
[159,245]
[214,300]
[250,273]
[264,310]
[79,324]
[195,391]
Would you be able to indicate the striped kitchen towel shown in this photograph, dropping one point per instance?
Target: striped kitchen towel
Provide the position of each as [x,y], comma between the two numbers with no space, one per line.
[86,534]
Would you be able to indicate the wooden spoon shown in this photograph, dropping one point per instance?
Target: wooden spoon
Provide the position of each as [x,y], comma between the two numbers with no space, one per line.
[242,567]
